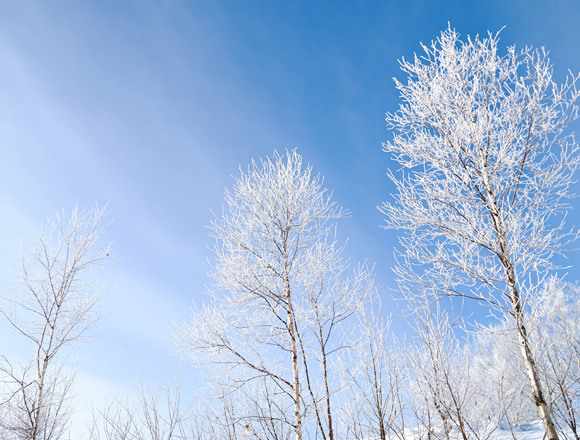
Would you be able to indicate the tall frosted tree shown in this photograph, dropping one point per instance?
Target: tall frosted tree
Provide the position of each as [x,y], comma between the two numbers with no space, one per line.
[486,164]
[280,299]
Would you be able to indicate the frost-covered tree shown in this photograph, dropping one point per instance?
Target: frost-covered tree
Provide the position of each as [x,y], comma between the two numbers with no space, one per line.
[556,332]
[502,391]
[375,380]
[486,166]
[55,306]
[441,376]
[155,413]
[280,300]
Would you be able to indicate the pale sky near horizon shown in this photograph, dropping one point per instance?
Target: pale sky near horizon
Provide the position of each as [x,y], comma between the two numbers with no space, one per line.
[152,106]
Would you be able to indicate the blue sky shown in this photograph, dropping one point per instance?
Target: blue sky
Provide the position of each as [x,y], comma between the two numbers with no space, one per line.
[152,106]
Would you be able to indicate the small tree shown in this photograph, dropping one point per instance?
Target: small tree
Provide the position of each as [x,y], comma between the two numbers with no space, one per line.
[502,393]
[433,380]
[556,322]
[155,414]
[375,380]
[54,308]
[488,165]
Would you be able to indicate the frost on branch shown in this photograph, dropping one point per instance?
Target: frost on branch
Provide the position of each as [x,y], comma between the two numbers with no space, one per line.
[486,165]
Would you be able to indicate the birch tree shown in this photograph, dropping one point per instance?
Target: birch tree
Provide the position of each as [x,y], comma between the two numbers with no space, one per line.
[487,162]
[280,299]
[56,305]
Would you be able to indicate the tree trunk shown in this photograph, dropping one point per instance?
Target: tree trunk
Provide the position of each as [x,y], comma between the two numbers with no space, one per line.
[326,387]
[294,349]
[378,395]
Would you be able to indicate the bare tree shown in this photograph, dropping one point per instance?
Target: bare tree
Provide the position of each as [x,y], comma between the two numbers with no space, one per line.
[155,414]
[488,165]
[58,302]
[280,300]
[502,393]
[556,334]
[431,361]
[375,380]
[444,379]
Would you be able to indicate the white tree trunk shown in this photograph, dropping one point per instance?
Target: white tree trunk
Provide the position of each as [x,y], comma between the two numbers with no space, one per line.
[294,349]
[532,370]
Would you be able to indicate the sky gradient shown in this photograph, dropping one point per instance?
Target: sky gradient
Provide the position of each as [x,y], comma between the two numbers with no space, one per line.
[152,106]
